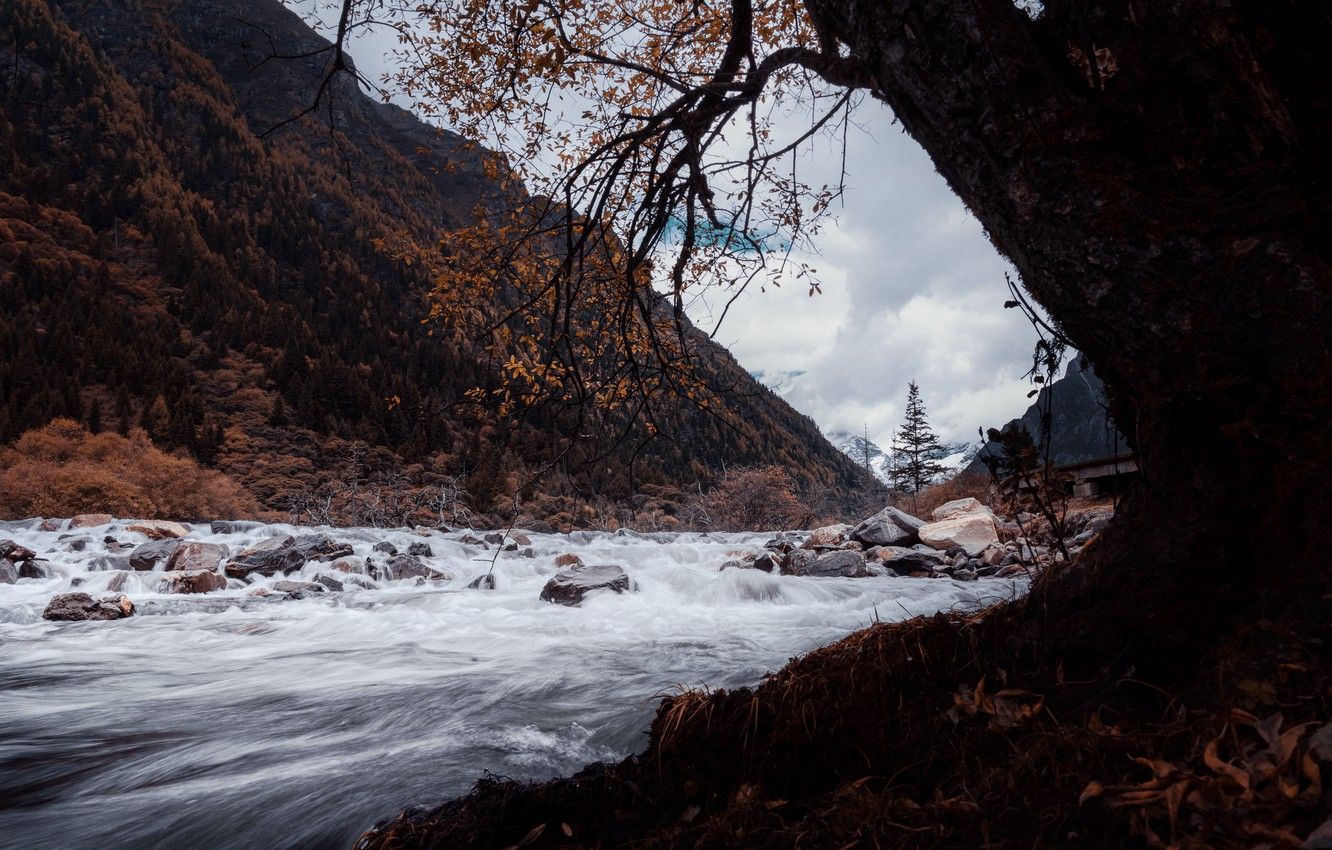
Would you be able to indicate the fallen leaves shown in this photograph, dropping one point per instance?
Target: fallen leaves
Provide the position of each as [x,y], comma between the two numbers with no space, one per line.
[1009,708]
[1252,763]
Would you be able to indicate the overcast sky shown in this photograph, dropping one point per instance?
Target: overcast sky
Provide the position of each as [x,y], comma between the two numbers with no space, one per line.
[912,290]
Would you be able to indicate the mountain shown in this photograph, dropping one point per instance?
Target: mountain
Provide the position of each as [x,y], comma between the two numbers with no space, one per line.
[1080,425]
[954,457]
[177,253]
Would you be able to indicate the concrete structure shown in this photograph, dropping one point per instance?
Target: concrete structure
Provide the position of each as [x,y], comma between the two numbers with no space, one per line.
[1100,475]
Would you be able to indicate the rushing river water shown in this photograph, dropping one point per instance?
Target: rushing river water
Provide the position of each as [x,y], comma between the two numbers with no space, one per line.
[228,720]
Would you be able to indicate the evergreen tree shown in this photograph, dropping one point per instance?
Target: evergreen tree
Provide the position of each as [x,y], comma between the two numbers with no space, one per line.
[95,417]
[919,445]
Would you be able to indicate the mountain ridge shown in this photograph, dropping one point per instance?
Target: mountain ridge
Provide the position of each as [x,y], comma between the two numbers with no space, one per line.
[251,310]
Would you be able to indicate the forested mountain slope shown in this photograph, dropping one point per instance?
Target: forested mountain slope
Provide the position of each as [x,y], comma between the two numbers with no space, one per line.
[175,254]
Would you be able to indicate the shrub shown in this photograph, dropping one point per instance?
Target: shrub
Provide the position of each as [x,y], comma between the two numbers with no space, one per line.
[755,499]
[61,469]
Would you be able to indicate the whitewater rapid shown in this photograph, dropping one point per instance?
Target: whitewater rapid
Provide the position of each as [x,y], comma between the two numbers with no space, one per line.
[226,720]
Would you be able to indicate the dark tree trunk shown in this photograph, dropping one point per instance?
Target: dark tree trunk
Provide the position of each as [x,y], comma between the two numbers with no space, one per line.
[1169,207]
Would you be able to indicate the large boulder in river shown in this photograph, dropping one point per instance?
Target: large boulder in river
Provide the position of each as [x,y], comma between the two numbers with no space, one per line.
[889,527]
[146,556]
[89,520]
[81,606]
[194,555]
[906,561]
[267,557]
[8,572]
[971,533]
[844,563]
[321,547]
[191,581]
[570,585]
[959,507]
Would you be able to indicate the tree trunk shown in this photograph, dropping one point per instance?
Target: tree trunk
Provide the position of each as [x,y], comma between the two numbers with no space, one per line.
[1168,206]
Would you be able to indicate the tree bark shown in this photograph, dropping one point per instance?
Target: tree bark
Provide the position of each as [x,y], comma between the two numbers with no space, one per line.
[1168,205]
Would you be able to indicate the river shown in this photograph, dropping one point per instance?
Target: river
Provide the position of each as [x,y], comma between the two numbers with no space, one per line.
[226,720]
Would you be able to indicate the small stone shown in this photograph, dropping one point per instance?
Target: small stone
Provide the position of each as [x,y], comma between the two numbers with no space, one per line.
[356,566]
[84,521]
[385,547]
[228,526]
[329,582]
[118,580]
[482,582]
[33,569]
[158,529]
[494,537]
[297,587]
[191,581]
[420,549]
[51,525]
[568,560]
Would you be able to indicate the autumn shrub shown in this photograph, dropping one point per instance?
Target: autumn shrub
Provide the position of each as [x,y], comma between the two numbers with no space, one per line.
[755,499]
[62,469]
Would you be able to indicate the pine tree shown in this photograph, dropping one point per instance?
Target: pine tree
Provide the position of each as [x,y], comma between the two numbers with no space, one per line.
[919,444]
[95,417]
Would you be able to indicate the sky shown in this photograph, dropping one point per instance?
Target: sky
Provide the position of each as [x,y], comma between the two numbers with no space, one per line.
[912,290]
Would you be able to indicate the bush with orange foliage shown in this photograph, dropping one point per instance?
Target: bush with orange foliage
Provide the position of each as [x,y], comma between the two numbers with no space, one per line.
[61,469]
[755,499]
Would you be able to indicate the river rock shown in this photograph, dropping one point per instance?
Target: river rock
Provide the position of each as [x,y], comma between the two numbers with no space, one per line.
[844,563]
[33,569]
[51,525]
[795,562]
[889,527]
[191,581]
[351,565]
[8,572]
[296,588]
[971,533]
[232,526]
[321,547]
[193,555]
[85,521]
[330,582]
[81,606]
[568,559]
[482,582]
[103,563]
[766,562]
[827,536]
[569,586]
[14,552]
[407,566]
[906,561]
[959,507]
[385,547]
[494,537]
[274,555]
[158,529]
[146,555]
[117,581]
[420,549]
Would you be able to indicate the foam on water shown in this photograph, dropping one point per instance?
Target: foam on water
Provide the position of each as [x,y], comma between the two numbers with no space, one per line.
[227,720]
